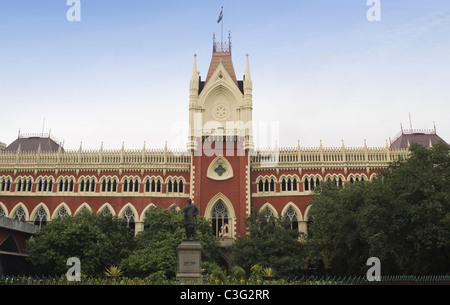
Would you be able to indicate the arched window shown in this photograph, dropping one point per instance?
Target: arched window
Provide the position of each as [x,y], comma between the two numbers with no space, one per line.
[268,214]
[62,213]
[260,186]
[5,184]
[272,185]
[169,186]
[2,212]
[106,211]
[41,217]
[128,217]
[306,184]
[158,186]
[292,217]
[294,184]
[283,185]
[180,187]
[19,214]
[220,220]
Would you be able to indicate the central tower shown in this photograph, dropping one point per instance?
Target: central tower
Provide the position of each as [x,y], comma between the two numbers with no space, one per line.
[220,141]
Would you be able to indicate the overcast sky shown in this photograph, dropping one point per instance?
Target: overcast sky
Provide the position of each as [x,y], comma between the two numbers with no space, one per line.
[320,69]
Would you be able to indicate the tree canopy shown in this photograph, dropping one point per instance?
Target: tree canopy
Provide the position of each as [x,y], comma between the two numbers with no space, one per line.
[99,241]
[270,243]
[402,217]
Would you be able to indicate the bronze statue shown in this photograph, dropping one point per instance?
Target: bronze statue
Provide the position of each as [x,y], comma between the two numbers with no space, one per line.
[190,212]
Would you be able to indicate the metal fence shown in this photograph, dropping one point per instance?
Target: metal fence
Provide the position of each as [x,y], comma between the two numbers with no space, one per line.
[304,280]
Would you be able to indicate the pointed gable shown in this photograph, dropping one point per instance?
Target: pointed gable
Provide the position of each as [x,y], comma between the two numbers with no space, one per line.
[222,55]
[227,63]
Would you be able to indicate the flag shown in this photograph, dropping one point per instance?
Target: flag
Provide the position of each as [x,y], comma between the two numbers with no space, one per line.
[220,16]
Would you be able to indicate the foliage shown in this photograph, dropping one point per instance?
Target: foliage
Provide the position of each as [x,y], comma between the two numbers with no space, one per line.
[98,241]
[402,217]
[269,244]
[237,272]
[213,272]
[113,271]
[157,244]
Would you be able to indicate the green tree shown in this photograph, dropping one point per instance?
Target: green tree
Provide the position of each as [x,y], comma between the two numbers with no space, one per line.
[402,217]
[156,245]
[270,243]
[98,241]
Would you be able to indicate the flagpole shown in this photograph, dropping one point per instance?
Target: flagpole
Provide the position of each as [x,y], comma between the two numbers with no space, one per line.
[222,29]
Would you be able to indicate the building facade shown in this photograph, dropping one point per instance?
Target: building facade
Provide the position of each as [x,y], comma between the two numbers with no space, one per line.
[221,170]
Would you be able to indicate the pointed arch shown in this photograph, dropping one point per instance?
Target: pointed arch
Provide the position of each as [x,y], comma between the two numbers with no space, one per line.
[108,206]
[229,221]
[142,216]
[59,207]
[36,209]
[84,205]
[269,206]
[16,208]
[132,208]
[4,209]
[296,209]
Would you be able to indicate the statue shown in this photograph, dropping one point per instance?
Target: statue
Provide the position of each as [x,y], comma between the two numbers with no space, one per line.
[190,212]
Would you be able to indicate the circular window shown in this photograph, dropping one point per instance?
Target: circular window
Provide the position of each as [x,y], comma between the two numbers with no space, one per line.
[221,112]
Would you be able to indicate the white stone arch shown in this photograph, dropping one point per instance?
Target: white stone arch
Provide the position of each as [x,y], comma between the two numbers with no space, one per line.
[107,205]
[142,216]
[296,209]
[82,206]
[149,179]
[365,177]
[5,179]
[36,209]
[225,164]
[61,205]
[131,177]
[153,177]
[215,88]
[112,177]
[4,208]
[132,208]
[306,215]
[268,205]
[24,180]
[68,177]
[230,209]
[24,208]
[90,177]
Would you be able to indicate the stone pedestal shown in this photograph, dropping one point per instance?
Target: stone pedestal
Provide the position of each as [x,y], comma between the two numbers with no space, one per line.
[189,256]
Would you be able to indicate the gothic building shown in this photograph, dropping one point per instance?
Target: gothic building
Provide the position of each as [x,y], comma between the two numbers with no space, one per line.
[221,170]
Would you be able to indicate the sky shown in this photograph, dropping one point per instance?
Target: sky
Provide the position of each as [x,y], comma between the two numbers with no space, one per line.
[321,70]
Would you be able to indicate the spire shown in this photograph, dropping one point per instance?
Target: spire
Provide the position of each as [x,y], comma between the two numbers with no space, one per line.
[194,76]
[248,78]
